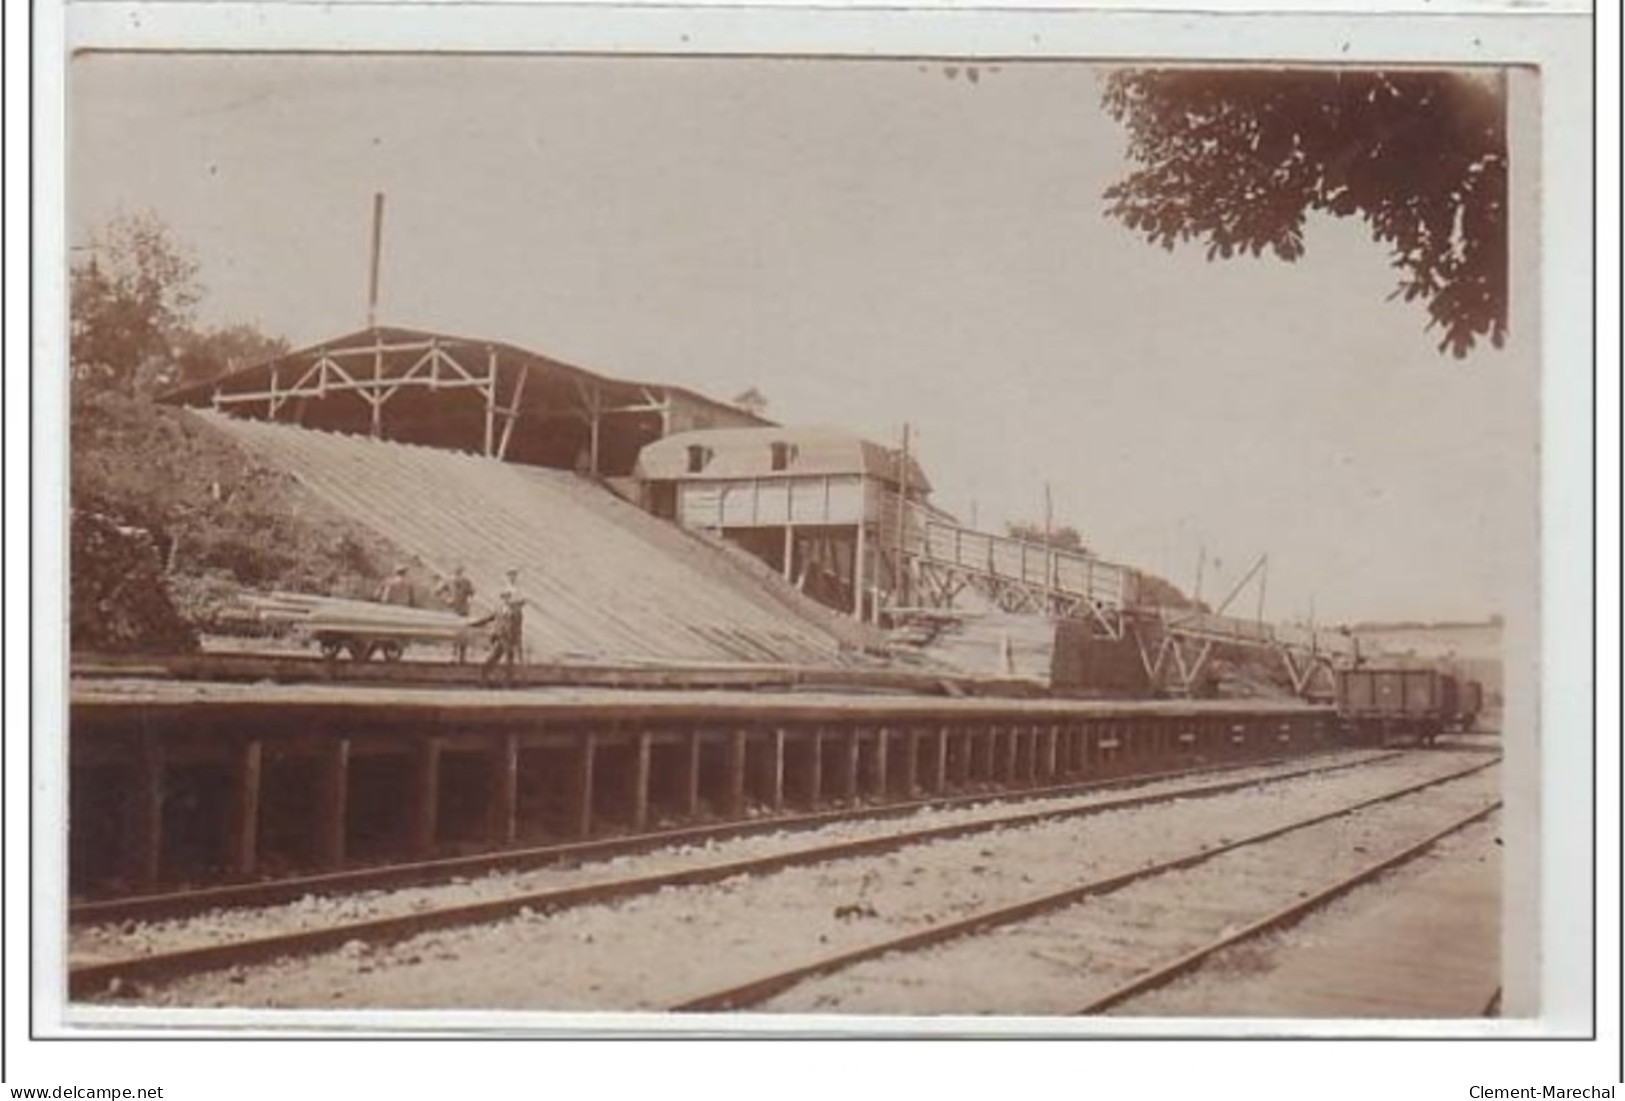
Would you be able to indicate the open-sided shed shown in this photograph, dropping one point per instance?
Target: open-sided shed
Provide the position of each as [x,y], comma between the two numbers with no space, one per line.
[464,394]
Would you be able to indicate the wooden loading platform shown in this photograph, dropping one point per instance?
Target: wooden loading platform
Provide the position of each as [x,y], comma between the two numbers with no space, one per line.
[175,783]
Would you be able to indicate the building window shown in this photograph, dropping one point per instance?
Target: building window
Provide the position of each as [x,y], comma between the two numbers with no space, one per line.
[698,456]
[782,454]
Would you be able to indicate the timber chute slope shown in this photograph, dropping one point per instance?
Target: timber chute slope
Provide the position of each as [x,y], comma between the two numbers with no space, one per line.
[604,581]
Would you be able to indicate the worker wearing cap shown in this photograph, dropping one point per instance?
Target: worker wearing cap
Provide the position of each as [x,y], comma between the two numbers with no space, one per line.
[507,623]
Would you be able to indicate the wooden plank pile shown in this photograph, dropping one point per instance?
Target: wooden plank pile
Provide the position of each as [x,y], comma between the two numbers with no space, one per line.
[315,615]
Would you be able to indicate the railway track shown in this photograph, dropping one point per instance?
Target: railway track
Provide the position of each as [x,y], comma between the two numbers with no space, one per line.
[1151,972]
[1278,919]
[172,905]
[89,979]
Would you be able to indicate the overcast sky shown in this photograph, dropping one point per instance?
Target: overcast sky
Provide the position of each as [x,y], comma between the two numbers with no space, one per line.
[866,243]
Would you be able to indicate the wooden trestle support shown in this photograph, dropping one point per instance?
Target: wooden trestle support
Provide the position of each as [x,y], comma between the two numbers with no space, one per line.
[212,792]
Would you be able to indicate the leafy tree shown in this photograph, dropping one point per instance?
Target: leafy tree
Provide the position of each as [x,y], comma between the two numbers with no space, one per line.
[1238,158]
[207,354]
[1065,539]
[752,401]
[129,299]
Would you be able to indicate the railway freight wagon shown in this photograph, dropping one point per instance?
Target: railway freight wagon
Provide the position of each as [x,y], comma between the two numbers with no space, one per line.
[1383,705]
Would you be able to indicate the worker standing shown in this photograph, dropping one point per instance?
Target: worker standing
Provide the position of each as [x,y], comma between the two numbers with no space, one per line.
[457,591]
[507,623]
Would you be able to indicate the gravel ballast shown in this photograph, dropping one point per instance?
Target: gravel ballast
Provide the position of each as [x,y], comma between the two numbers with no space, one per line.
[654,951]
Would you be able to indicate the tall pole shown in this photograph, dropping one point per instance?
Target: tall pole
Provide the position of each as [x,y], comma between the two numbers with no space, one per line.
[1201,559]
[1049,549]
[858,579]
[1263,581]
[377,246]
[898,573]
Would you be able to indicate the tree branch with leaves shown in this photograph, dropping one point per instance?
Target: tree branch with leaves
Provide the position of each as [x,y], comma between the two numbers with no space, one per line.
[1237,159]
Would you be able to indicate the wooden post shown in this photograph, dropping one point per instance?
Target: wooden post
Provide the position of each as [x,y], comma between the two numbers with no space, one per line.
[735,801]
[939,770]
[911,762]
[882,738]
[640,782]
[691,776]
[815,767]
[144,805]
[789,546]
[513,413]
[490,402]
[586,751]
[1012,753]
[857,557]
[504,825]
[376,396]
[595,416]
[849,778]
[425,795]
[242,830]
[776,794]
[332,810]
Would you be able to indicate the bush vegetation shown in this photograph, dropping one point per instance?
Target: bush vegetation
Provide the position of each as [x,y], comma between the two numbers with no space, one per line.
[217,519]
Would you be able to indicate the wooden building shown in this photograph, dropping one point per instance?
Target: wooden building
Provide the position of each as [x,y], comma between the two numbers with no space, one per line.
[464,394]
[820,505]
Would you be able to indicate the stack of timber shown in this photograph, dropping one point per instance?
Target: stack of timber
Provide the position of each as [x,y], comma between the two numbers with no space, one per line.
[314,616]
[604,582]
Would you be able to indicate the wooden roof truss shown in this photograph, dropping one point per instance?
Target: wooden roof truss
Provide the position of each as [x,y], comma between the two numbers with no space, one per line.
[362,370]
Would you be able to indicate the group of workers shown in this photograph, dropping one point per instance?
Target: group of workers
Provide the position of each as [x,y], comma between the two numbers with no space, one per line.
[505,623]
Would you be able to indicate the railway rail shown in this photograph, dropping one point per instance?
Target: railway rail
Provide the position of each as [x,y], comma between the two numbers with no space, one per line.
[87,980]
[760,990]
[1278,919]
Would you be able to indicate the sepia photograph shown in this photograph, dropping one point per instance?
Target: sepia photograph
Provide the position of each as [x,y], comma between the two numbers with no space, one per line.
[988,545]
[791,536]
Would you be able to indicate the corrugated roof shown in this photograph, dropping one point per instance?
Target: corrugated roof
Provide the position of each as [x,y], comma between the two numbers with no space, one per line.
[604,580]
[748,453]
